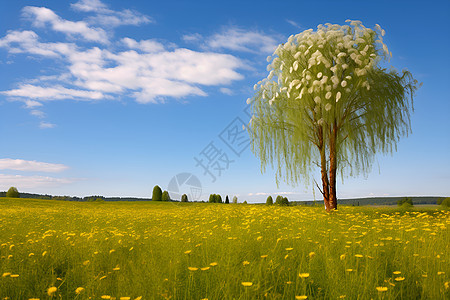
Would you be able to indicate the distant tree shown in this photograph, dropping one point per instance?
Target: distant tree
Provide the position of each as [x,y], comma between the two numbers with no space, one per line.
[445,202]
[184,198]
[218,199]
[406,201]
[12,193]
[235,200]
[285,201]
[279,200]
[227,200]
[269,200]
[165,196]
[245,202]
[157,193]
[212,198]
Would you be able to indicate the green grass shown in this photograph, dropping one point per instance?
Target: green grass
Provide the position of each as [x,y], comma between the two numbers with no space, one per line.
[153,250]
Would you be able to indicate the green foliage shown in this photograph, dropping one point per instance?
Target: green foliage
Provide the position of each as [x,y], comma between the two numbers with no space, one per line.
[184,198]
[445,202]
[214,198]
[227,200]
[279,199]
[329,88]
[235,200]
[245,202]
[165,196]
[157,193]
[405,202]
[269,200]
[12,193]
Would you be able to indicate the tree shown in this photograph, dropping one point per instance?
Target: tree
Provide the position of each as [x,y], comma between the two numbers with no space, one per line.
[445,202]
[157,193]
[235,200]
[279,199]
[269,200]
[405,202]
[12,193]
[218,199]
[212,198]
[227,201]
[165,196]
[184,198]
[327,101]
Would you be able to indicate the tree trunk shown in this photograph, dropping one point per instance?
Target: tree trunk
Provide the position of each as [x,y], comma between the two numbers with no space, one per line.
[324,172]
[333,167]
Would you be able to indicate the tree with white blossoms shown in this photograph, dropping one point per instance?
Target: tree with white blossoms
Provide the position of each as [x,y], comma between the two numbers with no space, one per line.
[328,101]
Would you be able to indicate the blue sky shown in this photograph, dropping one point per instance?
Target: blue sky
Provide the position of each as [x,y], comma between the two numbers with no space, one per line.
[113,97]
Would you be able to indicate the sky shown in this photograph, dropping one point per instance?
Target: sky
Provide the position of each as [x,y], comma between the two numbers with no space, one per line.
[114,97]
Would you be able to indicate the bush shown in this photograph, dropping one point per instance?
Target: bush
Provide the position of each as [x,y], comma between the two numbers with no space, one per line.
[269,200]
[445,202]
[218,199]
[235,200]
[405,202]
[12,193]
[279,199]
[157,193]
[184,198]
[165,196]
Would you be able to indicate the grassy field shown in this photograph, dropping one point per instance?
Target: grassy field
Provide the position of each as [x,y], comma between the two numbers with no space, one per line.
[72,250]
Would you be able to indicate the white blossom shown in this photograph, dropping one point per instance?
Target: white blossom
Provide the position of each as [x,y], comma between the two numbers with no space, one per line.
[295,65]
[328,107]
[249,100]
[319,75]
[328,95]
[338,96]
[344,83]
[317,99]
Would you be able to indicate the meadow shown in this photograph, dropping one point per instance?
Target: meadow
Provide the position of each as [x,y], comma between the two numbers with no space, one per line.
[142,250]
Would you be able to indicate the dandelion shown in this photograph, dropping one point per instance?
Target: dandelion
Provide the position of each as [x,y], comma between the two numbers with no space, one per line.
[289,249]
[138,298]
[125,298]
[441,273]
[264,256]
[447,285]
[79,290]
[399,278]
[188,252]
[359,255]
[342,257]
[6,274]
[311,254]
[259,238]
[106,297]
[349,270]
[381,288]
[112,251]
[247,283]
[396,272]
[213,264]
[205,268]
[31,254]
[44,253]
[245,263]
[117,268]
[192,268]
[303,275]
[14,275]
[51,290]
[103,277]
[286,256]
[303,297]
[85,263]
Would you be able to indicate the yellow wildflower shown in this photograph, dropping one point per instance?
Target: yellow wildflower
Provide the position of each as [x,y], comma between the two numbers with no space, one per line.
[396,272]
[311,254]
[303,297]
[79,290]
[381,288]
[303,275]
[51,290]
[399,278]
[244,283]
[192,268]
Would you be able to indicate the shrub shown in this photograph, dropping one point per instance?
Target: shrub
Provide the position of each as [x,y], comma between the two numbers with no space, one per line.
[218,199]
[445,202]
[269,200]
[12,193]
[184,198]
[279,199]
[165,196]
[405,202]
[157,193]
[235,200]
[245,202]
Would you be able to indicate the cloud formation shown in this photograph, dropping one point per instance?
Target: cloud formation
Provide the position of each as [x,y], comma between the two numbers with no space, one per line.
[29,182]
[30,165]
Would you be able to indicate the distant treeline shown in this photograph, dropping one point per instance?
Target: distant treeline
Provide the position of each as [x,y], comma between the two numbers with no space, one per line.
[375,201]
[74,198]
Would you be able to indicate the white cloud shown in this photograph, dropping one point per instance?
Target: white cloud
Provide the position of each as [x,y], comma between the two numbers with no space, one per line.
[30,165]
[42,16]
[237,39]
[37,113]
[46,125]
[108,17]
[51,93]
[32,104]
[26,182]
[149,46]
[293,23]
[226,91]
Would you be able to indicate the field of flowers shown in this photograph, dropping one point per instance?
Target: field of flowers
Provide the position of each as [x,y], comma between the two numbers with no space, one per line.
[136,250]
